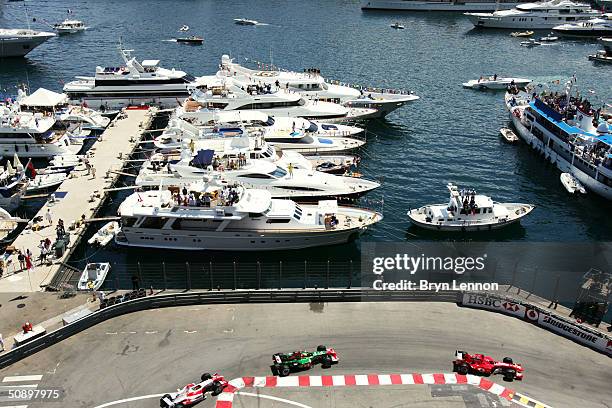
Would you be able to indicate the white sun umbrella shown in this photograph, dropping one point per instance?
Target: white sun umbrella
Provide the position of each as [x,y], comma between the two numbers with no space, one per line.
[9,168]
[17,164]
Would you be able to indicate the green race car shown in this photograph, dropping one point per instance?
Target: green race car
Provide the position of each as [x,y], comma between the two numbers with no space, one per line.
[284,363]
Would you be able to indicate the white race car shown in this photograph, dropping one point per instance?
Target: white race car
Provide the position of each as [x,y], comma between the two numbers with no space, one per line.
[192,393]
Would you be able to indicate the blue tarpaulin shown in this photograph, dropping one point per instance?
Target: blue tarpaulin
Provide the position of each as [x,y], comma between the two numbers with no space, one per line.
[204,158]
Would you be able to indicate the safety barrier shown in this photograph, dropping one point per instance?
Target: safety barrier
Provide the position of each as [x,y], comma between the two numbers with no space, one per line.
[541,317]
[215,297]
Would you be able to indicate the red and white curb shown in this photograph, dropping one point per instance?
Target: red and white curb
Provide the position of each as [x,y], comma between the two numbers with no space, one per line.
[226,398]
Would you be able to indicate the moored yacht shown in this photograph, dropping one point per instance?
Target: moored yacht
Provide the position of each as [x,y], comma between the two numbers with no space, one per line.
[540,15]
[282,181]
[312,85]
[233,218]
[31,134]
[571,134]
[467,211]
[13,185]
[19,42]
[596,27]
[439,5]
[135,83]
[70,27]
[224,93]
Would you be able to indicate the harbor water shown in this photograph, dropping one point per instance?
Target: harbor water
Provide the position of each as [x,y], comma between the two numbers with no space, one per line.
[450,135]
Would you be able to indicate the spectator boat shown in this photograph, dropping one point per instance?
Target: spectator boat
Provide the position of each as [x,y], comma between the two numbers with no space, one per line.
[571,184]
[93,276]
[495,83]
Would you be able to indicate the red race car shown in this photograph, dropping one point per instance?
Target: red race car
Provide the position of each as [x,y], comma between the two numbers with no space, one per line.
[466,363]
[192,393]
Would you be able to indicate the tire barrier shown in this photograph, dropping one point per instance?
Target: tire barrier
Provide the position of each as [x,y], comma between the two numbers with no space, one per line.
[541,317]
[133,303]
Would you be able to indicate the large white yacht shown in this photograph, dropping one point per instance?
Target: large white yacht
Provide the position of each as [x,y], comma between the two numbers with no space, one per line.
[31,134]
[224,93]
[439,5]
[233,218]
[297,134]
[596,27]
[570,133]
[313,86]
[282,181]
[19,42]
[467,211]
[136,83]
[540,15]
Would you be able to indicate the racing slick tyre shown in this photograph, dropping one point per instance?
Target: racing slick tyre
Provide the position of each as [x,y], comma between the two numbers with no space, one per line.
[162,402]
[327,362]
[507,360]
[217,389]
[284,371]
[206,377]
[463,369]
[509,374]
[321,348]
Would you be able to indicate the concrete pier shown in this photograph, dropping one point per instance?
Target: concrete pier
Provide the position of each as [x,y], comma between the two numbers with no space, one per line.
[81,194]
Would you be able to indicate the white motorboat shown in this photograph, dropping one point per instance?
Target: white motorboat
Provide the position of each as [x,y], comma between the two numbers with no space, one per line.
[184,27]
[8,225]
[495,83]
[20,42]
[439,5]
[13,185]
[234,218]
[46,181]
[30,134]
[549,38]
[530,43]
[70,27]
[105,234]
[136,83]
[66,160]
[245,21]
[224,93]
[467,211]
[312,85]
[93,276]
[509,135]
[540,15]
[604,55]
[398,26]
[571,184]
[596,27]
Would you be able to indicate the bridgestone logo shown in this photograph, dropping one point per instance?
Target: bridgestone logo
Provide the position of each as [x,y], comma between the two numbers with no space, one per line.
[569,329]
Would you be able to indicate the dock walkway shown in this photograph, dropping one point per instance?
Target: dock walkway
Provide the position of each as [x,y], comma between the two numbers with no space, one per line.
[81,194]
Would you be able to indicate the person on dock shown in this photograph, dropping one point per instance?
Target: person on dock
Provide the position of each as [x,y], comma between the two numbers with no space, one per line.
[21,259]
[135,282]
[93,172]
[290,169]
[1,343]
[28,263]
[49,217]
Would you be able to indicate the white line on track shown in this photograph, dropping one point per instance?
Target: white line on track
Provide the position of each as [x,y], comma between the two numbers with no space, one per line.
[151,332]
[289,402]
[190,331]
[110,404]
[18,378]
[111,332]
[15,406]
[12,387]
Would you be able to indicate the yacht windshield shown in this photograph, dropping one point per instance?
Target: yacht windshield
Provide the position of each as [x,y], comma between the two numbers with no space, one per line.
[278,173]
[313,127]
[189,78]
[270,121]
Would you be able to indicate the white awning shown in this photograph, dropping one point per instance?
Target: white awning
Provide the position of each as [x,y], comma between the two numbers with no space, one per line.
[44,98]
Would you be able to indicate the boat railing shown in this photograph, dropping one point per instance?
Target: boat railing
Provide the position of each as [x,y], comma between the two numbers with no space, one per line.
[370,88]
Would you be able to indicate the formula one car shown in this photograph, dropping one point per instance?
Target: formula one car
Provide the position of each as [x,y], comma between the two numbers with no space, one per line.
[466,363]
[284,363]
[191,394]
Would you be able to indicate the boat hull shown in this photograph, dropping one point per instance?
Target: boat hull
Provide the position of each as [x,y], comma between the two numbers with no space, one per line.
[19,47]
[434,5]
[233,240]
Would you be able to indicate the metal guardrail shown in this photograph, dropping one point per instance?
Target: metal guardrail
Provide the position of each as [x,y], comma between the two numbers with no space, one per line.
[217,297]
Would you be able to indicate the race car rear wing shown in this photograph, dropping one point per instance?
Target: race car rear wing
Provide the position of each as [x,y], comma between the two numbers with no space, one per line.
[277,359]
[459,354]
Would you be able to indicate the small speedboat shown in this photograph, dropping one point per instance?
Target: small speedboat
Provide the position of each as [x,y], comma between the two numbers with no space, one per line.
[104,234]
[93,276]
[495,83]
[531,43]
[509,135]
[8,225]
[184,28]
[190,40]
[571,184]
[398,26]
[70,27]
[46,181]
[549,38]
[467,211]
[522,34]
[245,21]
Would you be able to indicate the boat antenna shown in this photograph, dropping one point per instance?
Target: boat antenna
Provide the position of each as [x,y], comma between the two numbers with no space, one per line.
[271,60]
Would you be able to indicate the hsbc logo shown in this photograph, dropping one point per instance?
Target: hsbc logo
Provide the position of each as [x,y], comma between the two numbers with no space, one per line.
[511,307]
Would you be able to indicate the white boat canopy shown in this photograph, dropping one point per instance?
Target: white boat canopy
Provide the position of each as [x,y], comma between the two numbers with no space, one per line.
[44,98]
